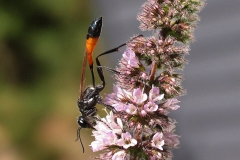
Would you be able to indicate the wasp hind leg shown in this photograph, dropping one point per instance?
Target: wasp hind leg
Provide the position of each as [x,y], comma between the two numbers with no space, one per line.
[99,66]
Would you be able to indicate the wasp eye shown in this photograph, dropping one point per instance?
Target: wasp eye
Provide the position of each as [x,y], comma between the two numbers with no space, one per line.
[82,122]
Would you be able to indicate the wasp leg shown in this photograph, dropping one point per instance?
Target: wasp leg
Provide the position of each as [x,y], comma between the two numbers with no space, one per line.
[109,69]
[111,108]
[99,67]
[99,70]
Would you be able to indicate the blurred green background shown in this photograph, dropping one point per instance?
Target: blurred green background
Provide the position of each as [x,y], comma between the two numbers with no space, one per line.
[41,49]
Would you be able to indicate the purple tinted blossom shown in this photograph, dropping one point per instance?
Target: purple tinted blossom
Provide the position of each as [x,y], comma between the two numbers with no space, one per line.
[101,127]
[157,141]
[120,124]
[170,104]
[126,140]
[120,155]
[131,109]
[171,139]
[106,132]
[130,57]
[150,107]
[110,121]
[102,140]
[120,107]
[120,93]
[143,113]
[138,96]
[154,94]
[97,146]
[114,99]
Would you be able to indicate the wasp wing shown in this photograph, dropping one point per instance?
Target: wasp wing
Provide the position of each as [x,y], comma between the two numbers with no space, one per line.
[82,80]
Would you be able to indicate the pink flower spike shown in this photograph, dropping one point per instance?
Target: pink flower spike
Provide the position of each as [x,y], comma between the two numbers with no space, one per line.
[158,141]
[120,155]
[150,107]
[148,82]
[126,140]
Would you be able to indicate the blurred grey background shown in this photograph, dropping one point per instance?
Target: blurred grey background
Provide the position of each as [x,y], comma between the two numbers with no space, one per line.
[208,120]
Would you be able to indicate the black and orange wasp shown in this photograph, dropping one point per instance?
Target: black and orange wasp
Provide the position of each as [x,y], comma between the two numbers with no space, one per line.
[91,95]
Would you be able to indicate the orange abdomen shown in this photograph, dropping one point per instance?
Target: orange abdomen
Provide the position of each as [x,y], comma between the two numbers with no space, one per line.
[90,45]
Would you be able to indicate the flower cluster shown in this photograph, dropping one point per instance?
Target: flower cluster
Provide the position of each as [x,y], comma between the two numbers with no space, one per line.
[139,128]
[148,84]
[108,132]
[142,56]
[174,17]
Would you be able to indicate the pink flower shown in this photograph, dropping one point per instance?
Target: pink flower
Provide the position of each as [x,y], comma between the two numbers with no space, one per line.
[130,57]
[106,132]
[102,127]
[97,146]
[135,97]
[138,96]
[154,94]
[170,104]
[157,140]
[143,113]
[120,155]
[110,121]
[102,140]
[126,140]
[131,109]
[120,106]
[150,107]
[171,139]
[114,99]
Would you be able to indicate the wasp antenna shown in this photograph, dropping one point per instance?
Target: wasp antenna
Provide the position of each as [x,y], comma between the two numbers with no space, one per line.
[79,137]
